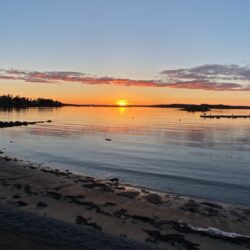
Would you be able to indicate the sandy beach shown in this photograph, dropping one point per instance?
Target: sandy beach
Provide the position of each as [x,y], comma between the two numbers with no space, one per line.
[23,230]
[163,220]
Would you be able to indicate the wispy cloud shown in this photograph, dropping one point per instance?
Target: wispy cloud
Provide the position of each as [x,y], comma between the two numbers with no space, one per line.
[72,77]
[207,77]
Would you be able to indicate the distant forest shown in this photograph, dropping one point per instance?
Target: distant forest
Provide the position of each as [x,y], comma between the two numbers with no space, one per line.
[22,102]
[9,101]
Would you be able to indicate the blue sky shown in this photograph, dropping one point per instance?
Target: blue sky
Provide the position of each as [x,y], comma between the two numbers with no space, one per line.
[122,38]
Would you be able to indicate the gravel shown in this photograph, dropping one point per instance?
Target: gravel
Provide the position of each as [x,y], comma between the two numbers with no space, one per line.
[26,231]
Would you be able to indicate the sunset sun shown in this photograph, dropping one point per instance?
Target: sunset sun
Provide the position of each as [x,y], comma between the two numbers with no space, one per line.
[122,103]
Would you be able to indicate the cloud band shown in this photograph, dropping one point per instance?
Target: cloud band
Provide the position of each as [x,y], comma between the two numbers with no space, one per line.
[206,77]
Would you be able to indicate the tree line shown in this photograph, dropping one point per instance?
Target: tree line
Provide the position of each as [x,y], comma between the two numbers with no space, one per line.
[17,101]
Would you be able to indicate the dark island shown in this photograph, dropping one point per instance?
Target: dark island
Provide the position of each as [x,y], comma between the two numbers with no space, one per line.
[8,101]
[199,107]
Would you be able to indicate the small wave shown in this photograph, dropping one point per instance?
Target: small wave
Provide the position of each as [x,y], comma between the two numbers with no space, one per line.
[215,232]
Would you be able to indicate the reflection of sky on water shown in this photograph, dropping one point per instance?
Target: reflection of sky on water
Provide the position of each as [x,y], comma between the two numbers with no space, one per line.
[163,149]
[207,137]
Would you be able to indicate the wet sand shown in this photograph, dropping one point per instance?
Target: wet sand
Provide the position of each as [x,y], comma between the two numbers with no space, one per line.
[23,230]
[165,220]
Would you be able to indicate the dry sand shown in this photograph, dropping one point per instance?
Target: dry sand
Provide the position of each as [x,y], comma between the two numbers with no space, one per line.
[165,220]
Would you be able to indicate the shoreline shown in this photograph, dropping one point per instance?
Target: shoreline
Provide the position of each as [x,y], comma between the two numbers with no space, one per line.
[120,209]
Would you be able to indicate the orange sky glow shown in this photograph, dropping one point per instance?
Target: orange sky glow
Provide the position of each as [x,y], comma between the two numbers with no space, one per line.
[109,94]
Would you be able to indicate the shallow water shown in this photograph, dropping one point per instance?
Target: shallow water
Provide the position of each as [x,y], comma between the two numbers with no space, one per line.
[163,149]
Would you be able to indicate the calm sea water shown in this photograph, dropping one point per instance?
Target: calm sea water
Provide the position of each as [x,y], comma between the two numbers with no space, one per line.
[162,149]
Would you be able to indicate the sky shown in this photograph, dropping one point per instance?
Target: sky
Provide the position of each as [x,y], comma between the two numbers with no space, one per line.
[144,51]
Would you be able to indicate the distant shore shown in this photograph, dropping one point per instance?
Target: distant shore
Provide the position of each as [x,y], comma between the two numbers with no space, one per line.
[117,208]
[184,107]
[9,101]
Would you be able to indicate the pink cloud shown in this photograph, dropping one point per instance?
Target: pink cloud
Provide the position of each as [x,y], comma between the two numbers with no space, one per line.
[207,77]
